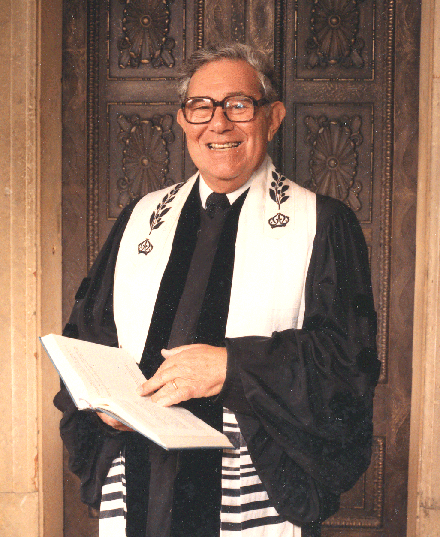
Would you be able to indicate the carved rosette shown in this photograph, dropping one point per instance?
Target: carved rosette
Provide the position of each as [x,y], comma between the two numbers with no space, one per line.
[145,27]
[145,155]
[334,25]
[334,157]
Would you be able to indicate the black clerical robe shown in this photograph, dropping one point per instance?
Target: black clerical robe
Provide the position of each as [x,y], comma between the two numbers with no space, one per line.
[302,398]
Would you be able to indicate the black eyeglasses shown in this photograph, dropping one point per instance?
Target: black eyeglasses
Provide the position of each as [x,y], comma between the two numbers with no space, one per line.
[236,108]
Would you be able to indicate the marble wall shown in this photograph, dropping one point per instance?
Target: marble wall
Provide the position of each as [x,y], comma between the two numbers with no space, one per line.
[424,467]
[30,266]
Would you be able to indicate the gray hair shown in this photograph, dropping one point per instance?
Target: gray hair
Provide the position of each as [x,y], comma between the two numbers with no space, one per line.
[232,51]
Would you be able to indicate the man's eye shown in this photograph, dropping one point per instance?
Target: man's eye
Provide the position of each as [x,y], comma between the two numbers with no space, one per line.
[200,106]
[237,106]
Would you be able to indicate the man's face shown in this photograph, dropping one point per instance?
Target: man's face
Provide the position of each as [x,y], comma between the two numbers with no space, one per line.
[225,152]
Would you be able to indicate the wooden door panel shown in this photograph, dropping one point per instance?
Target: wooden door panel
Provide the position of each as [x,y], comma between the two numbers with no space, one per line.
[145,40]
[135,145]
[362,507]
[338,94]
[145,151]
[347,133]
[335,40]
[332,152]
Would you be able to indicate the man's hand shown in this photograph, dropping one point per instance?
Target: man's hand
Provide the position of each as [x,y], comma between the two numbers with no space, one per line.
[188,372]
[113,423]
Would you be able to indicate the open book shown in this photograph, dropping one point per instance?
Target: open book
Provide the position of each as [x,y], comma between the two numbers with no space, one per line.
[105,379]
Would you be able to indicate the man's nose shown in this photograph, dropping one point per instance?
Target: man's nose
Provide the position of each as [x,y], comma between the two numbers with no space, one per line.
[219,121]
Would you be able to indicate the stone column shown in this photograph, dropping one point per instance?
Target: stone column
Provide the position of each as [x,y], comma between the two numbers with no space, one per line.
[30,266]
[424,469]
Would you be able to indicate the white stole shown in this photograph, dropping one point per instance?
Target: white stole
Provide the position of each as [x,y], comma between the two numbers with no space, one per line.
[272,253]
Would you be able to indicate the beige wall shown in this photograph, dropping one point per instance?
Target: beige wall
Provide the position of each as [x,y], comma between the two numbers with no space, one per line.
[30,275]
[424,471]
[30,263]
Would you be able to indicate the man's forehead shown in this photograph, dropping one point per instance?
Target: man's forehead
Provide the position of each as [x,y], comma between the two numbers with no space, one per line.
[227,94]
[232,77]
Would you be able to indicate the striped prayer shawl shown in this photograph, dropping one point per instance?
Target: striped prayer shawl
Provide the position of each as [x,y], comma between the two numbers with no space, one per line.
[246,509]
[112,514]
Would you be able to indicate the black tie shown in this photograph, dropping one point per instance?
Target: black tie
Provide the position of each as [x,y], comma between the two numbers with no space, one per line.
[216,201]
[190,304]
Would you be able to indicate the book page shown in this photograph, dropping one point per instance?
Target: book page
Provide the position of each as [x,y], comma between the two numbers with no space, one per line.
[171,427]
[142,410]
[105,371]
[74,384]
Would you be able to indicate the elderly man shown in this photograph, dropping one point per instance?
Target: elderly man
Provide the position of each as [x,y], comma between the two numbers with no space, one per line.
[247,299]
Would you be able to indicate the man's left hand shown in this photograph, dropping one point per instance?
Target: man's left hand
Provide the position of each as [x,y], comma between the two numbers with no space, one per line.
[188,372]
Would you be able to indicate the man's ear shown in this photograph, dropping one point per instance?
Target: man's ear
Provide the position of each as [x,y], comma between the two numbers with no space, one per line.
[181,119]
[277,113]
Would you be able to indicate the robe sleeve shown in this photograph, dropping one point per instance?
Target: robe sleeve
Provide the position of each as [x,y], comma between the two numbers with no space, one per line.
[92,445]
[303,397]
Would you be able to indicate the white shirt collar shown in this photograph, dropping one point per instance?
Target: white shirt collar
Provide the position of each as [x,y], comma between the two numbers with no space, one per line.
[205,190]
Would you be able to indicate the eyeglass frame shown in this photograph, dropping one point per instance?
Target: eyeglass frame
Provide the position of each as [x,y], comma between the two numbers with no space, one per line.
[256,104]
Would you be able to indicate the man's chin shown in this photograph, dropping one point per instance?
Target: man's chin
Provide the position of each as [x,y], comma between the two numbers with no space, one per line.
[225,183]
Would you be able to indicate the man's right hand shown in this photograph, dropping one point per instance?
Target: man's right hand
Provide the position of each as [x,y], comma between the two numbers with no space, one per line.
[113,423]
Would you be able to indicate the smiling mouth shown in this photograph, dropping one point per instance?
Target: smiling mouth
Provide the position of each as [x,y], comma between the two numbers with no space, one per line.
[228,145]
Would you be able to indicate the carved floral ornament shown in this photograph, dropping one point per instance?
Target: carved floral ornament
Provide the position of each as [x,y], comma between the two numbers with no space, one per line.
[334,25]
[145,156]
[334,157]
[145,27]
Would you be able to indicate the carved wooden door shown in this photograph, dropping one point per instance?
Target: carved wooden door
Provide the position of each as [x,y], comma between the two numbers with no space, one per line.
[348,71]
